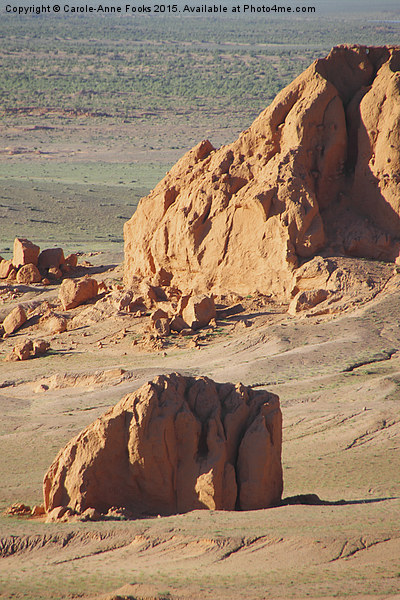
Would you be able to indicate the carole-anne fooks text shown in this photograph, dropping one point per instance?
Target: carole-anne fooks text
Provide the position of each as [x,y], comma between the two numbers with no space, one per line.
[158,8]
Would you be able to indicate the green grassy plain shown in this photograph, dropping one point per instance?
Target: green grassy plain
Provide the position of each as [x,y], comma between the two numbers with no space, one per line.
[95,110]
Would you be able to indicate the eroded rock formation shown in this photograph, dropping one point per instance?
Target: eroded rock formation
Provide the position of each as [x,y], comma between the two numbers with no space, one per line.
[177,444]
[318,167]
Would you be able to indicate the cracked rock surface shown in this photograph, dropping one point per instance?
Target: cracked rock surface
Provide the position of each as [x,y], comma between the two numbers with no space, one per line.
[175,445]
[318,168]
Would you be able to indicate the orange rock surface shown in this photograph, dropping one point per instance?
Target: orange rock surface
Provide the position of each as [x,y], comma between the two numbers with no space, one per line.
[14,320]
[242,218]
[74,292]
[177,444]
[25,252]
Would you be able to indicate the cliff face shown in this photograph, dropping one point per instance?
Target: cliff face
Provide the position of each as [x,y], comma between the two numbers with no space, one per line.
[318,167]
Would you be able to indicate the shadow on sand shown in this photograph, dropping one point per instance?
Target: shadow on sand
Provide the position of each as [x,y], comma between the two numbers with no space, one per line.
[314,500]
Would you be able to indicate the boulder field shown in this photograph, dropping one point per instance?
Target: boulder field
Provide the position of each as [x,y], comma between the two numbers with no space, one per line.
[175,445]
[317,171]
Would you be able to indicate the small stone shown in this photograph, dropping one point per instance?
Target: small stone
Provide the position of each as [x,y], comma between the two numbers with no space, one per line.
[6,267]
[38,510]
[42,387]
[14,320]
[158,314]
[71,260]
[40,347]
[90,514]
[161,327]
[177,324]
[186,332]
[55,324]
[55,273]
[24,350]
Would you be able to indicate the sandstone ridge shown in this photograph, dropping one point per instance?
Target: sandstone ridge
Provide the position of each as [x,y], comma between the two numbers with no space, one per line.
[175,445]
[317,171]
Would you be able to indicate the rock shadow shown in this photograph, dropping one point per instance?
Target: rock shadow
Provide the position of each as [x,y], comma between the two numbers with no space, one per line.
[315,500]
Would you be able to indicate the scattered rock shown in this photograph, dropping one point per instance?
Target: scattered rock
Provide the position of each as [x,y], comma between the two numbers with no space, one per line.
[245,323]
[25,252]
[54,273]
[119,514]
[22,351]
[102,288]
[161,327]
[6,267]
[14,320]
[152,293]
[90,514]
[41,388]
[28,274]
[38,511]
[54,323]
[71,260]
[40,347]
[178,324]
[158,314]
[199,311]
[12,276]
[307,300]
[51,258]
[18,509]
[186,331]
[175,445]
[74,292]
[28,349]
[60,513]
[130,302]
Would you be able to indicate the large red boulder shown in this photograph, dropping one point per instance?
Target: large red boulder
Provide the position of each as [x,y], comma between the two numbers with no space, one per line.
[176,444]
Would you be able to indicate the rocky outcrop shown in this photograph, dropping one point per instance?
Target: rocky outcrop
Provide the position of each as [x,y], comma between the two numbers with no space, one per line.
[177,444]
[323,157]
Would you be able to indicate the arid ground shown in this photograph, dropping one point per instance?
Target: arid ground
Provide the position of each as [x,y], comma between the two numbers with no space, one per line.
[72,181]
[338,378]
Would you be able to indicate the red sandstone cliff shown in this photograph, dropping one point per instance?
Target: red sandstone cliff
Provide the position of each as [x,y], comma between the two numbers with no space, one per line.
[320,166]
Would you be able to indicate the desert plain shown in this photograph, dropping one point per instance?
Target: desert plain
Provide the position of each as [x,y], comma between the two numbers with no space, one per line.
[336,371]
